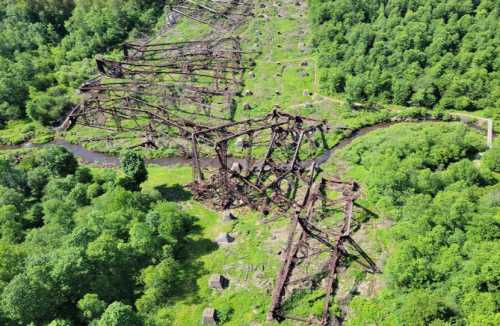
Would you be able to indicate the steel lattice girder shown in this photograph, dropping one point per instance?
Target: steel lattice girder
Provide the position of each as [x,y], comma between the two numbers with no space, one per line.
[276,151]
[306,233]
[219,14]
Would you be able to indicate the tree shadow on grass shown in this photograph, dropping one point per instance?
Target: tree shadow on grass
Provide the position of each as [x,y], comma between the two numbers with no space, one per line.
[175,193]
[192,250]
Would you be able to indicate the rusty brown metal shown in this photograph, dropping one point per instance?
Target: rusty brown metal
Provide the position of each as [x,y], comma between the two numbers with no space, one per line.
[229,14]
[307,232]
[185,91]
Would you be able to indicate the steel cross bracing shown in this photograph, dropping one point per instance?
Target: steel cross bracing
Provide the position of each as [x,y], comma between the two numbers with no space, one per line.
[228,14]
[185,91]
[274,152]
[308,238]
[159,92]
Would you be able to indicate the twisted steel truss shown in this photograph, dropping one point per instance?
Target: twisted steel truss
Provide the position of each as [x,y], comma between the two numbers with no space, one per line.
[228,14]
[311,239]
[186,90]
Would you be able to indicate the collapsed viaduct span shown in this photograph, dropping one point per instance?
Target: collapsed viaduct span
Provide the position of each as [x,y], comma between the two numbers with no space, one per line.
[186,90]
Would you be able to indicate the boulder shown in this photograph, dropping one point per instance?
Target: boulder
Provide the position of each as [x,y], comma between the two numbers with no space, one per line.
[240,142]
[224,238]
[306,93]
[247,106]
[218,282]
[304,63]
[209,317]
[236,167]
[304,73]
[228,216]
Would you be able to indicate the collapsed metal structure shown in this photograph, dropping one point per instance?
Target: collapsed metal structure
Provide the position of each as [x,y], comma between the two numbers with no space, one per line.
[218,14]
[310,238]
[274,152]
[186,90]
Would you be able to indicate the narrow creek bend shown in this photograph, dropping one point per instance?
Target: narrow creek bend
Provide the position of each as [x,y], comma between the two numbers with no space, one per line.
[102,159]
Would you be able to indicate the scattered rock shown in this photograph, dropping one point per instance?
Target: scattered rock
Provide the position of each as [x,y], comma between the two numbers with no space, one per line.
[247,92]
[304,63]
[218,282]
[251,74]
[241,142]
[304,74]
[228,216]
[225,238]
[306,93]
[236,167]
[209,316]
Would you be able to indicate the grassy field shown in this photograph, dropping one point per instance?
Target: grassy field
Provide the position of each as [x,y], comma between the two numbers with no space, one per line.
[285,70]
[20,131]
[250,263]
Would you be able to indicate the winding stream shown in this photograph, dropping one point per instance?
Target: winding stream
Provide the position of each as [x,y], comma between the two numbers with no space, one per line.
[101,159]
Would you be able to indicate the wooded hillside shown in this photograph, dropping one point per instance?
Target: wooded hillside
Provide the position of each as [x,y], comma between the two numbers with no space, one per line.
[46,49]
[431,53]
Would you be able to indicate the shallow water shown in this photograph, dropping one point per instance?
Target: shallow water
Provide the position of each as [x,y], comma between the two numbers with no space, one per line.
[97,158]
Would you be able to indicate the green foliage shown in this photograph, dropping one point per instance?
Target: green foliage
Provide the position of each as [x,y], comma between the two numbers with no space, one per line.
[49,105]
[118,314]
[84,175]
[132,164]
[491,158]
[77,248]
[418,53]
[60,322]
[224,314]
[37,179]
[58,160]
[45,46]
[445,239]
[91,307]
[25,300]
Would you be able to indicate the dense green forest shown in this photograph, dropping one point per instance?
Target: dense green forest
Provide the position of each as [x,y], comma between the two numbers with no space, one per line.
[444,257]
[431,53]
[86,245]
[47,46]
[79,248]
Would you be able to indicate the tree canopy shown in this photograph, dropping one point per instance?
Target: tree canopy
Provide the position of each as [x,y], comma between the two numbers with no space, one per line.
[77,248]
[46,46]
[443,265]
[432,53]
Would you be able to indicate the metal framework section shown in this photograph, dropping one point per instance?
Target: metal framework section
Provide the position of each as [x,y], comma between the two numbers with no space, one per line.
[262,161]
[222,15]
[213,65]
[315,249]
[162,90]
[185,91]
